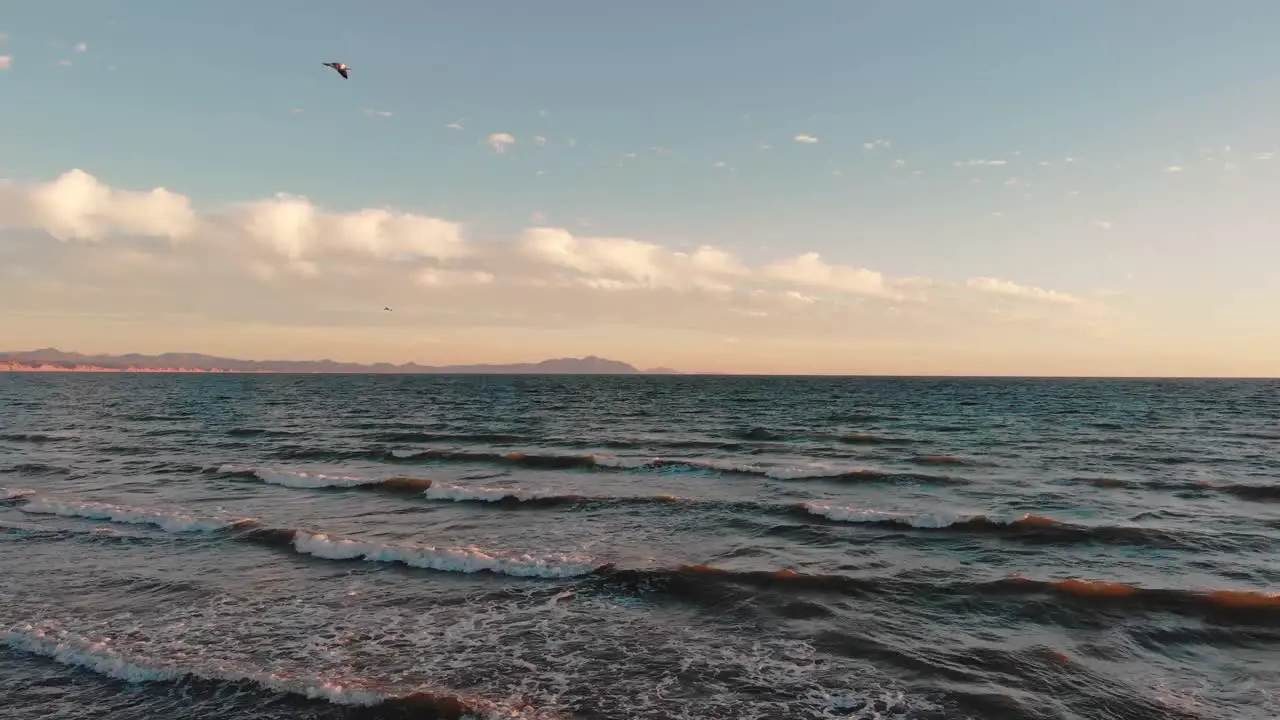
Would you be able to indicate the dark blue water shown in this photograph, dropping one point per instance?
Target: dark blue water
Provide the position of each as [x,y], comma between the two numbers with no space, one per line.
[637,547]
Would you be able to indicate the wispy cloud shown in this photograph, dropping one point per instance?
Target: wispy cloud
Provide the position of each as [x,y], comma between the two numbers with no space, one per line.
[378,113]
[80,47]
[6,62]
[805,139]
[979,162]
[499,142]
[1011,289]
[876,144]
[1174,169]
[1264,156]
[539,140]
[454,126]
[1104,224]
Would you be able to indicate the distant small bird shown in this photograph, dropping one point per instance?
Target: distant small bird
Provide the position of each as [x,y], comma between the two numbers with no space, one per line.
[340,67]
[387,309]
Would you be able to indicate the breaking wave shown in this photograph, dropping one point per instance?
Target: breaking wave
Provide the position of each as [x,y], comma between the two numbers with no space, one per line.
[327,545]
[100,657]
[1036,528]
[175,522]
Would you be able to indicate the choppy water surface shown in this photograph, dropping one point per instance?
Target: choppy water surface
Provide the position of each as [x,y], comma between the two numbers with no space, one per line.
[272,547]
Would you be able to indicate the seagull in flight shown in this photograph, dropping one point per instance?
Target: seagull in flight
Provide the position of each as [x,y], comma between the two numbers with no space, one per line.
[340,67]
[387,309]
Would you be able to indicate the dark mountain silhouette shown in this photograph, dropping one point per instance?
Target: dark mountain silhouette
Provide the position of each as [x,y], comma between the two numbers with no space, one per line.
[54,359]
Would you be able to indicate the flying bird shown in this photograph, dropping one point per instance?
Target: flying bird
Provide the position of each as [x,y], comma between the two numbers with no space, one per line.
[387,309]
[340,67]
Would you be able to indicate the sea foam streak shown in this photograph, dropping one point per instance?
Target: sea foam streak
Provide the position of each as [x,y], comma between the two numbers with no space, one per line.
[449,559]
[175,522]
[430,489]
[98,656]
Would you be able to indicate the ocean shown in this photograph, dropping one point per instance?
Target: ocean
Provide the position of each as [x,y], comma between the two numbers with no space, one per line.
[271,547]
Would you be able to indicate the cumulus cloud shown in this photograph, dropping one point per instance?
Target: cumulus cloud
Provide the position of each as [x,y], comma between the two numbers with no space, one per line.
[76,206]
[499,142]
[78,244]
[805,139]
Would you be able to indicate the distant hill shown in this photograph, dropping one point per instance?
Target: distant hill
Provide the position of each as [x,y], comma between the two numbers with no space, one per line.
[54,360]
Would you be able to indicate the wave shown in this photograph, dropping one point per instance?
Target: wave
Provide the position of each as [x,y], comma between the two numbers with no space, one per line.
[175,522]
[1027,527]
[1036,528]
[430,489]
[1230,606]
[36,470]
[703,582]
[100,657]
[594,463]
[1257,493]
[11,494]
[426,557]
[329,546]
[34,438]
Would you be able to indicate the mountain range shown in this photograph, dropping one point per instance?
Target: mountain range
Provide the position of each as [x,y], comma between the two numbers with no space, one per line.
[53,360]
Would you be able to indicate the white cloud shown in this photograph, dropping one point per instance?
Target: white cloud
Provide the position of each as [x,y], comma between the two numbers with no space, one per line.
[499,142]
[1264,156]
[282,259]
[876,144]
[6,62]
[805,139]
[979,162]
[1174,169]
[538,140]
[809,270]
[1011,289]
[440,278]
[1104,224]
[378,113]
[454,126]
[76,206]
[80,47]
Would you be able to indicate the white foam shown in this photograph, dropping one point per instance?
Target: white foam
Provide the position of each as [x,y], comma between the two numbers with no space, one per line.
[842,513]
[15,493]
[459,493]
[176,522]
[99,656]
[448,559]
[301,479]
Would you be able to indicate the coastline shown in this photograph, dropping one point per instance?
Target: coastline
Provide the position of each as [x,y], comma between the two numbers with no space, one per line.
[51,368]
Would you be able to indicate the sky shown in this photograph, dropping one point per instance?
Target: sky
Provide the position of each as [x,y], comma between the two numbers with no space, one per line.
[821,187]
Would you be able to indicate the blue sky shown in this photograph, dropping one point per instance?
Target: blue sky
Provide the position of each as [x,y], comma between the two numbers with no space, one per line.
[228,102]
